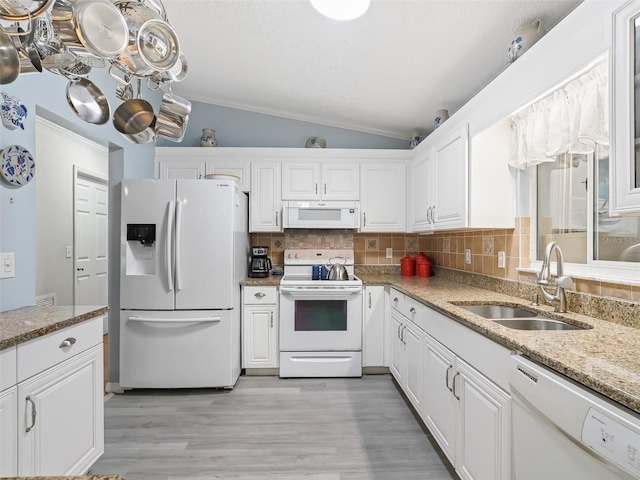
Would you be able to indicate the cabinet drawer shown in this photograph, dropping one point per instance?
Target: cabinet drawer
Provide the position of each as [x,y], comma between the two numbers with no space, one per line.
[260,295]
[41,353]
[7,368]
[396,299]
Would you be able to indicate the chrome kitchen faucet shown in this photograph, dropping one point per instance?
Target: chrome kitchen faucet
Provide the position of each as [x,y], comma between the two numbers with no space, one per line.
[561,282]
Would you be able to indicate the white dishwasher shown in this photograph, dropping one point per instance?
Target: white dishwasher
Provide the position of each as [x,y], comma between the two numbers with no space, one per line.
[564,431]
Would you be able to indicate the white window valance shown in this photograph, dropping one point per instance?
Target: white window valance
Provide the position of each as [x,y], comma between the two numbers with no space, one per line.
[571,120]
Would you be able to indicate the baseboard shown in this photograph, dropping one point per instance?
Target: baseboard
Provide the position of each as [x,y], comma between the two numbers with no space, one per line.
[375,370]
[261,372]
[114,387]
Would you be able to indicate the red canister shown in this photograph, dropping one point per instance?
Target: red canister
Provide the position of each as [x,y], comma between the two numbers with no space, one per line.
[423,266]
[407,266]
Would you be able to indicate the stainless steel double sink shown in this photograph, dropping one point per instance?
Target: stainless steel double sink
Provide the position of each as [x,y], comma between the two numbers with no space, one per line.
[519,318]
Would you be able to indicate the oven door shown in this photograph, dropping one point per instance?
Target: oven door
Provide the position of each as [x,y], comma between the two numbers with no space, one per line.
[320,319]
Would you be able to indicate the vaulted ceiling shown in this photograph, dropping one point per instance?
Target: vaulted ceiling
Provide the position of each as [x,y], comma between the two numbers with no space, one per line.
[385,73]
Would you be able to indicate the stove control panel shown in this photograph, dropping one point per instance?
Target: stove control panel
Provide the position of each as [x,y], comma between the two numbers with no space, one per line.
[298,256]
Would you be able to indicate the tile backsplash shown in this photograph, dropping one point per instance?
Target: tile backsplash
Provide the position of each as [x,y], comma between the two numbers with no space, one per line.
[445,249]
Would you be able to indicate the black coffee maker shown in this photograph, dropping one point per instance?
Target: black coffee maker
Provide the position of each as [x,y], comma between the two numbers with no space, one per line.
[259,262]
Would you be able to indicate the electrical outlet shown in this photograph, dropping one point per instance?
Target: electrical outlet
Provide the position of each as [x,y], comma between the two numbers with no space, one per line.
[501,260]
[7,265]
[389,252]
[467,256]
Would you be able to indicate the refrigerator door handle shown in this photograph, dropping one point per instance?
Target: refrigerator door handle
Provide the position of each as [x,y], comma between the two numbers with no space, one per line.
[178,238]
[170,213]
[176,320]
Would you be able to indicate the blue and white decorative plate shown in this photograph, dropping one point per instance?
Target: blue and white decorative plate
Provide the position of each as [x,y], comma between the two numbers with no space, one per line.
[17,165]
[12,111]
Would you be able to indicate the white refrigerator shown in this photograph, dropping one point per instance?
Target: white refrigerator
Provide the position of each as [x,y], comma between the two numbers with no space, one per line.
[184,247]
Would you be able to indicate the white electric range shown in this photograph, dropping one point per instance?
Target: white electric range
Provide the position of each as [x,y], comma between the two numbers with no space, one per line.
[320,320]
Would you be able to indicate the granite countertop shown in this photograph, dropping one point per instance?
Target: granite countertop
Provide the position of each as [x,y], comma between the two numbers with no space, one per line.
[271,280]
[604,357]
[23,324]
[79,477]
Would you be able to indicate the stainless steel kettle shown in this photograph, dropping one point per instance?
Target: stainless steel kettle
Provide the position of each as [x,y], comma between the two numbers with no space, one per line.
[337,271]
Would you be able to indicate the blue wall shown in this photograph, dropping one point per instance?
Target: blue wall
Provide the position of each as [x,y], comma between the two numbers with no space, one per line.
[239,128]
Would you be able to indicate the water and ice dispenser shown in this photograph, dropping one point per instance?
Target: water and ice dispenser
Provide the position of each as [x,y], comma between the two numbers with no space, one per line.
[141,249]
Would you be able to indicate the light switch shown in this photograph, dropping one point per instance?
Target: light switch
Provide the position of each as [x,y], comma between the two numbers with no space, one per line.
[68,252]
[7,265]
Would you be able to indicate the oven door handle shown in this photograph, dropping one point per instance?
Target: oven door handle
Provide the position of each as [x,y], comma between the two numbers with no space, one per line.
[328,293]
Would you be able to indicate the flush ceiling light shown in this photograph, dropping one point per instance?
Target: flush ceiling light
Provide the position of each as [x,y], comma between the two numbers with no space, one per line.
[341,9]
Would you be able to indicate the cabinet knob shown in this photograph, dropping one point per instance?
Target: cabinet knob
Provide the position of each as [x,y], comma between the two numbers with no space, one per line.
[453,386]
[67,342]
[412,310]
[260,295]
[80,269]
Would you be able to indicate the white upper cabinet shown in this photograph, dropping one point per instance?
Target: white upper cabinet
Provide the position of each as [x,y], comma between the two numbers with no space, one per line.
[450,158]
[194,163]
[383,197]
[420,202]
[320,181]
[265,202]
[180,168]
[625,151]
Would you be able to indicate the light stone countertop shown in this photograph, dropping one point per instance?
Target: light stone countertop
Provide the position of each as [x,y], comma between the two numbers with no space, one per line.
[605,358]
[79,477]
[23,324]
[271,281]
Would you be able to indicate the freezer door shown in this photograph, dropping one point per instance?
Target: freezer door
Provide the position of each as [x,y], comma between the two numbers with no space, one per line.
[204,245]
[146,232]
[179,349]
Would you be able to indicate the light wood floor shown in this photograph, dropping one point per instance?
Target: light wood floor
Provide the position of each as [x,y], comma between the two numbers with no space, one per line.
[269,428]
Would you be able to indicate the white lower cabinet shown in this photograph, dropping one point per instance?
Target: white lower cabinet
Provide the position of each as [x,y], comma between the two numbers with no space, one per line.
[260,327]
[373,327]
[9,432]
[462,405]
[52,414]
[467,414]
[484,413]
[60,417]
[439,404]
[406,356]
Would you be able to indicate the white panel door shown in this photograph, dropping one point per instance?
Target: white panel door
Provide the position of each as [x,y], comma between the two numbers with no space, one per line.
[146,271]
[340,181]
[397,364]
[450,185]
[301,181]
[9,433]
[412,338]
[204,260]
[91,238]
[374,326]
[438,408]
[265,214]
[421,203]
[383,197]
[260,336]
[484,427]
[66,434]
[181,168]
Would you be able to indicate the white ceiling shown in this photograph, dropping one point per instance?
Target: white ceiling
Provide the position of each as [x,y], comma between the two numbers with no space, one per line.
[385,73]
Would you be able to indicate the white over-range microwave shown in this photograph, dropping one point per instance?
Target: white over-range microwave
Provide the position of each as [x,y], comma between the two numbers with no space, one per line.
[331,214]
